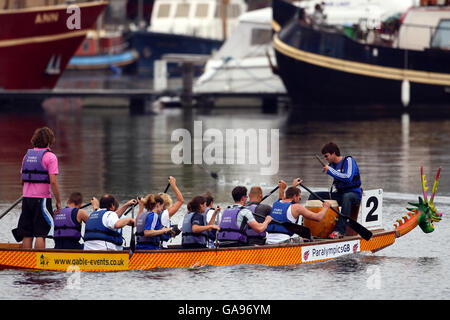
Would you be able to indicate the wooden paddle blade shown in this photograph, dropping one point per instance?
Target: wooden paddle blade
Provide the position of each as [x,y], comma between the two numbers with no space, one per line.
[365,233]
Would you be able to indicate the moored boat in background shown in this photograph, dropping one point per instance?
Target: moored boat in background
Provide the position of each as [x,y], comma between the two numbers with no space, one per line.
[102,49]
[37,40]
[243,63]
[321,64]
[194,27]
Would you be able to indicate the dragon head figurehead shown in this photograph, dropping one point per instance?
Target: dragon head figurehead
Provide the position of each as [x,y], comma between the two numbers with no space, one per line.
[424,212]
[427,214]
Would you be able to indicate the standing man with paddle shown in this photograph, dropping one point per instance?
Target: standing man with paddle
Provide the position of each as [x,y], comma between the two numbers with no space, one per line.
[347,181]
[39,170]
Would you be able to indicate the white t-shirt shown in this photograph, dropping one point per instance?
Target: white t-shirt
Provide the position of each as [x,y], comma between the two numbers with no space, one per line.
[273,238]
[109,220]
[165,221]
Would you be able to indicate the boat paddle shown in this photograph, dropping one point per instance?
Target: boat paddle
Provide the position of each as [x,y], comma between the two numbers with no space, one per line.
[270,193]
[321,161]
[302,231]
[360,229]
[85,205]
[11,207]
[133,237]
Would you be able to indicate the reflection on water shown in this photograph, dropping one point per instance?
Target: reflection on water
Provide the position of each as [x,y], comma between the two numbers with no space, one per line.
[110,151]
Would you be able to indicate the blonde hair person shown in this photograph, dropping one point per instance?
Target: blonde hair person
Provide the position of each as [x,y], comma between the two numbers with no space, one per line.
[170,208]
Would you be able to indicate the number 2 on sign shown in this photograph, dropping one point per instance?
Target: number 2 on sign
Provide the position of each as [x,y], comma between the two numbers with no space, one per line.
[371,209]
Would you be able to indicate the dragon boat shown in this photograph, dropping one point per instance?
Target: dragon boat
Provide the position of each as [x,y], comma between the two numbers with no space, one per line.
[316,249]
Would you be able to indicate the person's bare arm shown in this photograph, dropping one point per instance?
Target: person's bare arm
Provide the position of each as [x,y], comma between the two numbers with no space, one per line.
[260,227]
[153,233]
[180,200]
[198,229]
[55,189]
[298,210]
[282,187]
[123,208]
[82,216]
[124,222]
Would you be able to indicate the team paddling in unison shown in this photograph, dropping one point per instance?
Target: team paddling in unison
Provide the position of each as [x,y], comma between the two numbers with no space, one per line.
[243,223]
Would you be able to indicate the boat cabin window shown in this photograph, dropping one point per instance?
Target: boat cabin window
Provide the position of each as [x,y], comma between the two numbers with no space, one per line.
[201,11]
[260,36]
[441,38]
[233,11]
[182,10]
[164,10]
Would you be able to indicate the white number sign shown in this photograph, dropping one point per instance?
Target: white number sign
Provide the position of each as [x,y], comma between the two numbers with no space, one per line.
[371,209]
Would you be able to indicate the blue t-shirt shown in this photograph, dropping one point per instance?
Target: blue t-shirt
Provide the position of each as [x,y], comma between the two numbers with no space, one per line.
[150,225]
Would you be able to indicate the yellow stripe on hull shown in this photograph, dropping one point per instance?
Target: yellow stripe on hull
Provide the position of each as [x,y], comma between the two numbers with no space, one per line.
[432,78]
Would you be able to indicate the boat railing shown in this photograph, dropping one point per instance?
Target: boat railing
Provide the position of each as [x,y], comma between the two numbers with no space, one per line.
[389,36]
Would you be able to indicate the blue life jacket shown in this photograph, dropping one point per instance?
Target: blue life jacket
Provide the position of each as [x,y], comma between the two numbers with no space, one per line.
[140,227]
[32,169]
[229,230]
[65,226]
[342,186]
[279,213]
[96,230]
[191,238]
[250,232]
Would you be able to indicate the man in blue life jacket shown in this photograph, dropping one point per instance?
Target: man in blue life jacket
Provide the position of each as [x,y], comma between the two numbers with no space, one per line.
[289,209]
[238,222]
[68,221]
[347,182]
[103,229]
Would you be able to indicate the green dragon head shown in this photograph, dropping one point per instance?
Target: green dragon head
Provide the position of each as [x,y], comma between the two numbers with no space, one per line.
[428,215]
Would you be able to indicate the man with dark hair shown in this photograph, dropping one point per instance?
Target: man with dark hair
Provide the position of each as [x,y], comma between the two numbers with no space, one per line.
[104,227]
[38,177]
[237,221]
[347,182]
[288,209]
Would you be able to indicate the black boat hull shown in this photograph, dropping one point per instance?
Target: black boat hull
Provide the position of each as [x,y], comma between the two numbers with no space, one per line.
[323,66]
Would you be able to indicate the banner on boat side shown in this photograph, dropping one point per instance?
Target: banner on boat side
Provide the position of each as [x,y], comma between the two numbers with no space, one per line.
[329,250]
[64,261]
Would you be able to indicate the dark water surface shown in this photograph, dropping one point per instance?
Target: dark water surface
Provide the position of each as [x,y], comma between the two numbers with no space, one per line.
[111,151]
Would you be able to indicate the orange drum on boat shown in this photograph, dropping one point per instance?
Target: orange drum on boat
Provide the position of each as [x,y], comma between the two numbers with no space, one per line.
[323,228]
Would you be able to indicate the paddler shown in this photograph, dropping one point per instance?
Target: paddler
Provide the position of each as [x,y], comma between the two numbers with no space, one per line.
[238,223]
[170,208]
[260,211]
[149,228]
[68,223]
[195,227]
[289,209]
[103,229]
[347,182]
